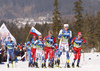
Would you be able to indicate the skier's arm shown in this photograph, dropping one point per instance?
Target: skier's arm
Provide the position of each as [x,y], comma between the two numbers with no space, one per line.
[35,42]
[72,42]
[14,45]
[56,46]
[25,46]
[60,34]
[45,38]
[84,41]
[54,42]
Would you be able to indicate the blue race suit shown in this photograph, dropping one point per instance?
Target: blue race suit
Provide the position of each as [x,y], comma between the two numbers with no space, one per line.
[64,36]
[28,47]
[10,50]
[39,50]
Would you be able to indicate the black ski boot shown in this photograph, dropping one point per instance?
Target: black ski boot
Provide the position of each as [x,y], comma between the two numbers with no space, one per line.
[29,64]
[55,62]
[12,63]
[52,65]
[33,64]
[68,66]
[73,65]
[48,64]
[44,65]
[58,62]
[78,65]
[7,65]
[36,65]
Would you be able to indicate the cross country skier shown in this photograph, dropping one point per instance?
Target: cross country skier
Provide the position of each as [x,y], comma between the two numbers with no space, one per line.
[77,41]
[49,42]
[64,35]
[28,48]
[33,50]
[9,47]
[39,51]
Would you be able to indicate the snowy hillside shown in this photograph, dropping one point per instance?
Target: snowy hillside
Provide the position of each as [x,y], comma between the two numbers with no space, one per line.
[90,62]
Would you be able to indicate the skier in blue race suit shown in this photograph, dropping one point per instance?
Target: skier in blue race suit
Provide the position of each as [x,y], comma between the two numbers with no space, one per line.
[28,48]
[39,51]
[9,47]
[64,36]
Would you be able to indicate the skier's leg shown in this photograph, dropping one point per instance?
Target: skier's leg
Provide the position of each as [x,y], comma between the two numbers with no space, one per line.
[29,58]
[75,57]
[46,56]
[42,58]
[8,59]
[67,56]
[55,57]
[33,56]
[51,58]
[32,59]
[66,46]
[59,54]
[11,54]
[79,55]
[36,62]
[60,51]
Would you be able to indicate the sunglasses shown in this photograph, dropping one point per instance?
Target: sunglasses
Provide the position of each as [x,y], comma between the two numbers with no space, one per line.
[50,35]
[66,27]
[80,35]
[40,38]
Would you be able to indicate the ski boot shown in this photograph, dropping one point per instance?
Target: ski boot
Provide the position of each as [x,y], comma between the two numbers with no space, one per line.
[68,66]
[44,65]
[36,65]
[73,65]
[7,65]
[29,64]
[55,62]
[77,65]
[33,65]
[12,63]
[48,64]
[67,61]
[52,65]
[58,62]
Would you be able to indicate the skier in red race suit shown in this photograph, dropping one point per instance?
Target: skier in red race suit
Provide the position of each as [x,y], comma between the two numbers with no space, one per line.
[49,42]
[77,41]
[33,50]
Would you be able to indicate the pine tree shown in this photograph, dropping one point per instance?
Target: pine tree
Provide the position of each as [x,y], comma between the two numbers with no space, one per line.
[27,30]
[56,26]
[97,30]
[78,15]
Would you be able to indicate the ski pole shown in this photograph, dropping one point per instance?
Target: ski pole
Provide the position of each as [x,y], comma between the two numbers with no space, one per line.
[83,56]
[70,55]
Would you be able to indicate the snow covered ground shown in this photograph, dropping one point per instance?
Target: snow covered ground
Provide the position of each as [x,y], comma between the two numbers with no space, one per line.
[90,62]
